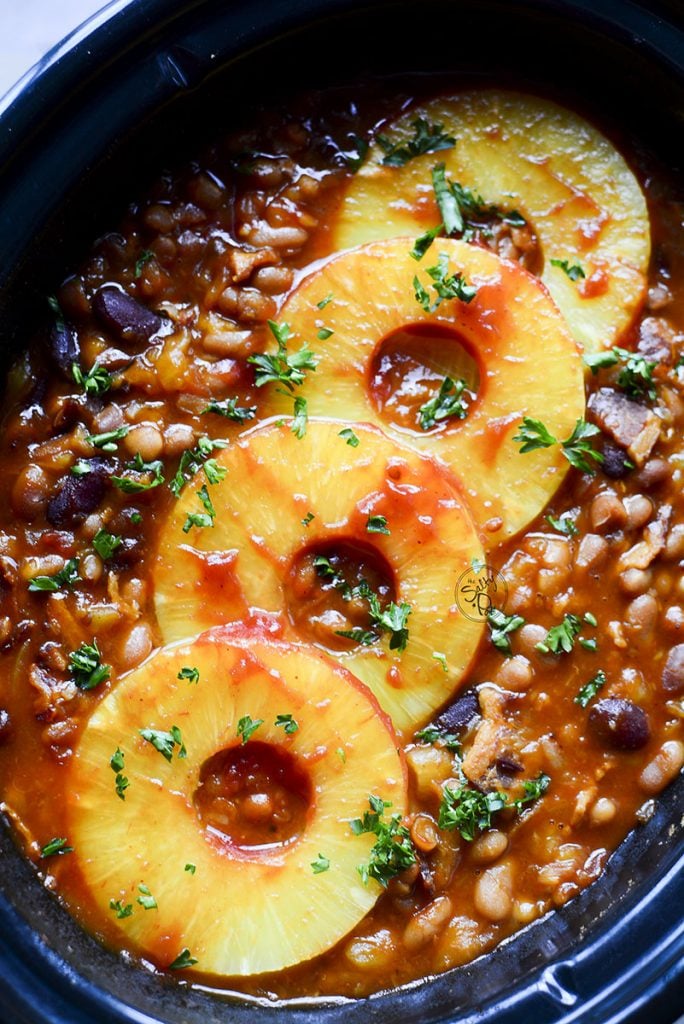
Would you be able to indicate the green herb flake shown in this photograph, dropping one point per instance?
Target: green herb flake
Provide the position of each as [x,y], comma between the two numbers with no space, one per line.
[448,402]
[145,256]
[377,524]
[560,639]
[427,138]
[106,544]
[146,899]
[324,302]
[468,811]
[86,666]
[183,961]
[320,865]
[136,518]
[230,410]
[590,689]
[165,742]
[324,334]
[574,272]
[190,868]
[81,468]
[500,628]
[201,519]
[56,848]
[636,374]
[66,578]
[441,658]
[392,852]
[288,723]
[121,909]
[350,437]
[308,518]
[194,459]
[433,735]
[107,442]
[447,286]
[423,243]
[283,368]
[564,524]
[151,475]
[97,381]
[452,218]
[247,726]
[121,783]
[577,449]
[533,789]
[341,754]
[191,674]
[301,417]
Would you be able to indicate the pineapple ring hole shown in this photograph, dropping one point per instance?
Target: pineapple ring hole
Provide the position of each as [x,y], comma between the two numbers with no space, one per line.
[408,368]
[320,604]
[255,796]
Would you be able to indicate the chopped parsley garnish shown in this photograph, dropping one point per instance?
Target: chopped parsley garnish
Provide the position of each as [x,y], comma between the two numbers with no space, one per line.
[191,674]
[564,524]
[427,138]
[136,518]
[153,471]
[201,519]
[183,960]
[452,219]
[447,403]
[165,742]
[320,865]
[66,577]
[441,658]
[324,302]
[393,851]
[432,734]
[107,441]
[283,368]
[447,286]
[116,763]
[360,636]
[56,309]
[145,256]
[469,811]
[97,380]
[501,626]
[574,272]
[301,417]
[354,158]
[341,754]
[308,518]
[424,241]
[247,726]
[81,468]
[391,619]
[577,449]
[324,334]
[288,723]
[106,544]
[350,437]
[636,375]
[86,666]
[560,639]
[231,410]
[56,848]
[120,908]
[590,689]
[190,868]
[377,524]
[193,459]
[146,899]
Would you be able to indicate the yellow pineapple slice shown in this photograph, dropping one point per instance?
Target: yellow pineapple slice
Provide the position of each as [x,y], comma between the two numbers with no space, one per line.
[284,502]
[235,907]
[510,343]
[527,154]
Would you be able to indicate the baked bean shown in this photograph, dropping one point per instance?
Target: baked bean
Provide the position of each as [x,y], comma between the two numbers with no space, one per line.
[205,192]
[603,811]
[40,565]
[178,437]
[654,473]
[592,552]
[91,567]
[146,439]
[663,767]
[514,674]
[528,637]
[424,833]
[642,614]
[635,581]
[273,280]
[426,925]
[278,238]
[371,952]
[489,847]
[253,307]
[639,511]
[159,218]
[674,619]
[136,645]
[607,512]
[674,545]
[673,671]
[30,492]
[493,894]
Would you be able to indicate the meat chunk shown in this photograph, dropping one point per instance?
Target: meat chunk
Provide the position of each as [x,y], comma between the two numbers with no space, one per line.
[656,340]
[630,424]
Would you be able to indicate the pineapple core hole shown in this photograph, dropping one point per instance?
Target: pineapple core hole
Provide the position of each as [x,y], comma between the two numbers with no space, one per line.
[253,796]
[324,592]
[407,371]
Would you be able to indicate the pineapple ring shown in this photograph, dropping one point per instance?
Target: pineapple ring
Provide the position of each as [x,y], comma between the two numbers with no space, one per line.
[273,482]
[243,910]
[529,365]
[522,152]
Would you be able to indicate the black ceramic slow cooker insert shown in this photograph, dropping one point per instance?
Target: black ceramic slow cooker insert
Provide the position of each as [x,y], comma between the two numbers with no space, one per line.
[77,139]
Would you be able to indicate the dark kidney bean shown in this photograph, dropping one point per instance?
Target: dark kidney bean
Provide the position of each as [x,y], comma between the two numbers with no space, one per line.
[615,462]
[124,316]
[129,552]
[78,496]
[460,713]
[673,671]
[63,346]
[620,723]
